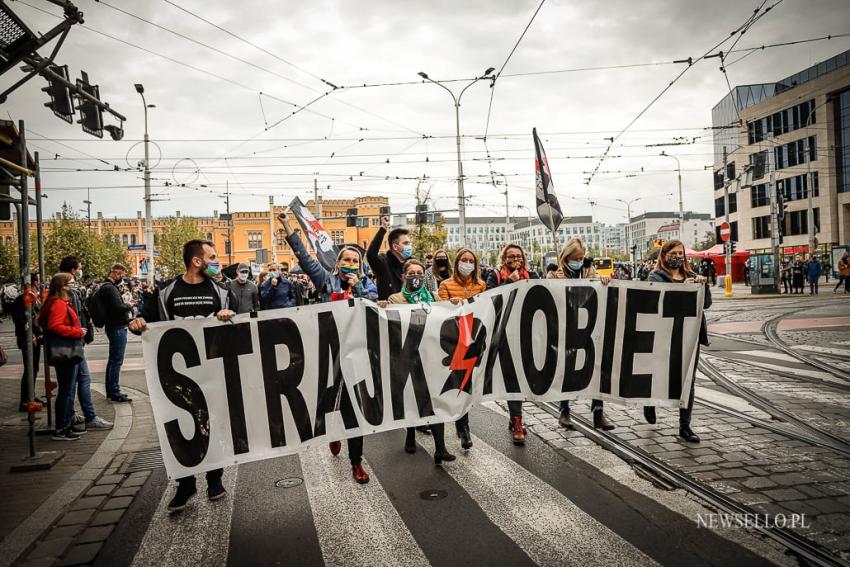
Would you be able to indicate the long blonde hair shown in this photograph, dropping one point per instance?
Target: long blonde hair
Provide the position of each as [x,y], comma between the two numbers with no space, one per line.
[572,246]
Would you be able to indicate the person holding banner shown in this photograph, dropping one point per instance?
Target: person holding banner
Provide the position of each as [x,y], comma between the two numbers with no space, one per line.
[465,283]
[414,291]
[195,294]
[672,268]
[346,281]
[512,268]
[575,265]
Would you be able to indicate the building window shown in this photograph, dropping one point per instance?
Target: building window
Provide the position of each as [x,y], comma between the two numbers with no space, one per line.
[842,145]
[133,239]
[227,247]
[797,222]
[782,122]
[733,203]
[209,236]
[760,165]
[255,239]
[761,227]
[338,236]
[125,240]
[759,196]
[797,187]
[796,153]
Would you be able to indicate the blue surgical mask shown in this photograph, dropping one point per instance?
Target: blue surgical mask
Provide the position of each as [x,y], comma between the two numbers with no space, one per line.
[407,252]
[575,265]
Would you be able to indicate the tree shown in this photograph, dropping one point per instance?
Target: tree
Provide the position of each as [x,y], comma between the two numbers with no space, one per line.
[175,233]
[709,240]
[10,269]
[71,236]
[428,237]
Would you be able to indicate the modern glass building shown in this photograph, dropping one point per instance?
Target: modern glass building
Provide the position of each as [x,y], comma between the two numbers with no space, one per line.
[795,135]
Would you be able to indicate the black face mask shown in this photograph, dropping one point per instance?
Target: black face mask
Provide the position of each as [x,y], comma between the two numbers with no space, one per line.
[442,263]
[413,283]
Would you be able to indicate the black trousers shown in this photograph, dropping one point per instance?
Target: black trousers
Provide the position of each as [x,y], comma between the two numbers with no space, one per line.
[438,430]
[686,412]
[36,357]
[189,483]
[355,450]
[515,408]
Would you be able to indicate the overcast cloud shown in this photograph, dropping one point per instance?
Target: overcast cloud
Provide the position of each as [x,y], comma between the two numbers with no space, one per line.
[350,43]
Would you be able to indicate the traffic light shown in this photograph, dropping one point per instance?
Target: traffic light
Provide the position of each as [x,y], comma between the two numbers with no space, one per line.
[421,214]
[351,217]
[732,246]
[61,102]
[91,115]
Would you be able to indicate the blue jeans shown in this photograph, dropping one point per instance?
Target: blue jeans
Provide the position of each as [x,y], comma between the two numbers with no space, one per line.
[117,345]
[83,380]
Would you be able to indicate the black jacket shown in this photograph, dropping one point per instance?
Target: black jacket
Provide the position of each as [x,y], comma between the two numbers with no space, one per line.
[659,275]
[116,311]
[386,267]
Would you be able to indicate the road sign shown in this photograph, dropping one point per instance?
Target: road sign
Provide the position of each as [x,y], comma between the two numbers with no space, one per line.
[132,247]
[725,231]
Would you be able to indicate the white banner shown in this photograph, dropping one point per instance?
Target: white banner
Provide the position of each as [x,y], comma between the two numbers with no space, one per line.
[270,385]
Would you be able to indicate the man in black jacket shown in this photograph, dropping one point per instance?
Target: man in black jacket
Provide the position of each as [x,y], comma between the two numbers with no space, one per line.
[192,295]
[116,317]
[388,267]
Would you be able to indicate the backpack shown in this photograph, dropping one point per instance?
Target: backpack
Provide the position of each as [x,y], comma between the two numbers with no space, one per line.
[95,308]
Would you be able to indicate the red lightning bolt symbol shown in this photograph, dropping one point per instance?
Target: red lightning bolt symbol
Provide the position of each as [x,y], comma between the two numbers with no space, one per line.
[464,340]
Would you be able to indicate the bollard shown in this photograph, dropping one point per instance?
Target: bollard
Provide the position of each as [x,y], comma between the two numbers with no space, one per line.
[728,291]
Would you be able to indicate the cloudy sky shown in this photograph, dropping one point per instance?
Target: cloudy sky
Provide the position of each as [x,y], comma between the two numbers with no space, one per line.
[225,92]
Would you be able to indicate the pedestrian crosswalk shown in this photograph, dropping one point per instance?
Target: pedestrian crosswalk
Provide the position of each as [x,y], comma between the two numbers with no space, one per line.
[496,504]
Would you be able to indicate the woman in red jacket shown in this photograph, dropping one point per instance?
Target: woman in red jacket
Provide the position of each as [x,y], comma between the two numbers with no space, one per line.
[58,319]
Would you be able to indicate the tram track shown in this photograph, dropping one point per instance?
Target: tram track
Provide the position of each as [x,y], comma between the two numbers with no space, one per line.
[805,549]
[770,330]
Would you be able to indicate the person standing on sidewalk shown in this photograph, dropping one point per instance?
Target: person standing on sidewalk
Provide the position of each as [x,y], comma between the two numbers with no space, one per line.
[18,312]
[60,323]
[82,377]
[116,316]
[245,297]
[813,274]
[843,272]
[190,296]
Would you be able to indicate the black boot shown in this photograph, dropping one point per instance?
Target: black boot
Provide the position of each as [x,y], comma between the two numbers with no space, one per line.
[686,433]
[465,437]
[410,441]
[649,413]
[601,422]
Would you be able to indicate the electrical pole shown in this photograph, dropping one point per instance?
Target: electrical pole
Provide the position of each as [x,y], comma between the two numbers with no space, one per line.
[24,237]
[727,246]
[628,229]
[774,215]
[507,212]
[229,223]
[271,229]
[681,205]
[88,208]
[149,243]
[39,228]
[317,204]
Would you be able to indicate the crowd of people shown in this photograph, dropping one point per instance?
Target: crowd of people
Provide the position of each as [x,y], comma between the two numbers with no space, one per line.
[67,319]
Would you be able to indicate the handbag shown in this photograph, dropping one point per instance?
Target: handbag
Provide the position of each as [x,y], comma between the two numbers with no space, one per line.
[63,350]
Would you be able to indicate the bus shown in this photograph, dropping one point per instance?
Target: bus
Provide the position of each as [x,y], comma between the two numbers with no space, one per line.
[604,266]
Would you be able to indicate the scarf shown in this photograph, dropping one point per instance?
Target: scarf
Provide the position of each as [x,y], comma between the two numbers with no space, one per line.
[422,295]
[505,273]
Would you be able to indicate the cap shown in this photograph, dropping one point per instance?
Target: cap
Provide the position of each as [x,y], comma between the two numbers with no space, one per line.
[242,266]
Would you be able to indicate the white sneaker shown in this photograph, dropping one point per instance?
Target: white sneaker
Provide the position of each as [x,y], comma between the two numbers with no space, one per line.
[99,423]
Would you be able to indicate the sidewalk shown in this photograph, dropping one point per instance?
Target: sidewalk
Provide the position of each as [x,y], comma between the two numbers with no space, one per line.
[741,291]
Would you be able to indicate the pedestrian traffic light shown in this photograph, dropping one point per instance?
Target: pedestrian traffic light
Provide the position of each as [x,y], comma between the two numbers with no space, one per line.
[91,115]
[351,217]
[421,214]
[732,247]
[60,95]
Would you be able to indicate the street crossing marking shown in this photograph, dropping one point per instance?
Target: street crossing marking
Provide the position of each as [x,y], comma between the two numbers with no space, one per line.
[198,536]
[544,523]
[769,355]
[823,350]
[356,524]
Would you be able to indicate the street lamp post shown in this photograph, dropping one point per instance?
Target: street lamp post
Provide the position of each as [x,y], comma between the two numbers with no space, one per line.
[681,206]
[628,222]
[460,196]
[149,244]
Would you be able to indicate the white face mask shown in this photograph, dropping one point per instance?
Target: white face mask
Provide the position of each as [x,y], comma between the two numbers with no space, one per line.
[243,277]
[465,268]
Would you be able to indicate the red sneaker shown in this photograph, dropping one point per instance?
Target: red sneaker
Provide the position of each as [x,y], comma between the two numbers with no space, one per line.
[518,430]
[336,447]
[360,474]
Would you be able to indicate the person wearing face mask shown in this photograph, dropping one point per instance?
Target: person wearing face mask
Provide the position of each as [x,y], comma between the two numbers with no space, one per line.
[347,280]
[388,267]
[276,291]
[244,295]
[441,269]
[512,268]
[672,268]
[465,283]
[574,264]
[190,296]
[414,291]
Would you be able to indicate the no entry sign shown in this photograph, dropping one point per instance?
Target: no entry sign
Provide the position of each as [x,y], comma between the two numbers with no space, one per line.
[725,231]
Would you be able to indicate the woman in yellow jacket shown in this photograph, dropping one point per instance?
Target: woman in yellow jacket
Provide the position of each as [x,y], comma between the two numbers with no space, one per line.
[465,282]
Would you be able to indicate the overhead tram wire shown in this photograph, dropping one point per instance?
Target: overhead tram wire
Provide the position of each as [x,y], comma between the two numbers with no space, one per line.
[502,68]
[754,17]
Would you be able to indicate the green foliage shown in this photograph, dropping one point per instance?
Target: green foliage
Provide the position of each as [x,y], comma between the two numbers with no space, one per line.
[70,236]
[427,238]
[9,262]
[707,242]
[175,233]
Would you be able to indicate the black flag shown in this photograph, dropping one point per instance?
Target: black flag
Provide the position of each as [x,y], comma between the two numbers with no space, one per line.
[325,249]
[548,207]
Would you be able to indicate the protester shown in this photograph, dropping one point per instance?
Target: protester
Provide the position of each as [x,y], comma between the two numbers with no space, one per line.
[574,264]
[512,268]
[17,310]
[82,378]
[276,291]
[669,268]
[190,296]
[388,267]
[785,276]
[59,321]
[798,277]
[346,281]
[465,283]
[116,316]
[245,297]
[414,291]
[826,268]
[813,271]
[843,272]
[440,270]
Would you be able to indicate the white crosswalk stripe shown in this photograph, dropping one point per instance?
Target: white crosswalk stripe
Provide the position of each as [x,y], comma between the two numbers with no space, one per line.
[823,350]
